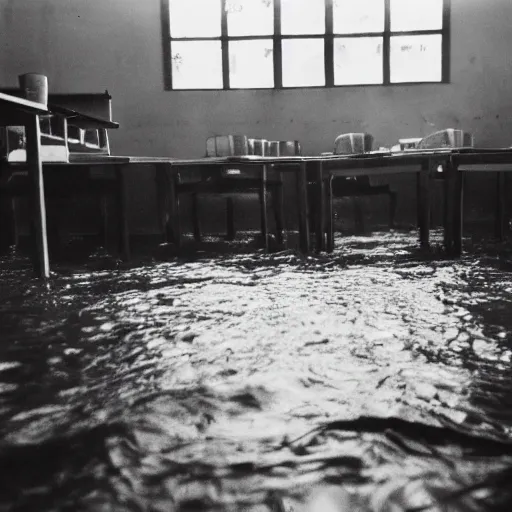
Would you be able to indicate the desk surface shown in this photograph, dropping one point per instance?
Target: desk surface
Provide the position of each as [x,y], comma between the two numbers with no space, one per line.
[388,162]
[22,104]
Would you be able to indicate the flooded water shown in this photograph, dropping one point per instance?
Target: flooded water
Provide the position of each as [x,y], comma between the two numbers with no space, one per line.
[377,378]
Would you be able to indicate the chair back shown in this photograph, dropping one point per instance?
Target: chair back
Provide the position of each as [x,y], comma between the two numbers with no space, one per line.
[353,143]
[289,148]
[448,138]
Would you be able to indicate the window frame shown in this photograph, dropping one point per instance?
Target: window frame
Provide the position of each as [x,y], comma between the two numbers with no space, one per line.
[328,38]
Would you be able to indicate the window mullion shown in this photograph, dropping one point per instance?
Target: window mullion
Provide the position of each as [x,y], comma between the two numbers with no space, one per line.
[445,52]
[329,44]
[386,60]
[225,45]
[278,47]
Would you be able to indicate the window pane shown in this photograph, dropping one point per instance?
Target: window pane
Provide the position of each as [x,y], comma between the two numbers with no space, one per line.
[250,17]
[358,60]
[303,62]
[251,64]
[416,58]
[195,18]
[416,15]
[302,17]
[352,17]
[196,65]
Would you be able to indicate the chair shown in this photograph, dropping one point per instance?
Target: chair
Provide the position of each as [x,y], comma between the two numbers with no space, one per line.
[246,179]
[66,136]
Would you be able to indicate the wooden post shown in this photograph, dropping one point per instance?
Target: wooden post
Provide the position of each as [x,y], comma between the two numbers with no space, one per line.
[263,206]
[500,206]
[302,193]
[122,213]
[35,168]
[424,182]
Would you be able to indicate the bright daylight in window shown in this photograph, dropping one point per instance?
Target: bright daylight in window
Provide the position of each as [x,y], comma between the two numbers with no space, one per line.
[265,44]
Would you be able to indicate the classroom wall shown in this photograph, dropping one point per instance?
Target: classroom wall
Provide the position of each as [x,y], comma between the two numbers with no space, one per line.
[93,45]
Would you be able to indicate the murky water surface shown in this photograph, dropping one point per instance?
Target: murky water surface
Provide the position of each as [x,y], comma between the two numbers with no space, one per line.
[377,378]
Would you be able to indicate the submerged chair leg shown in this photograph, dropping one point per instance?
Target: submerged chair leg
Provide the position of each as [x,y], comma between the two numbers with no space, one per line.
[196,226]
[230,219]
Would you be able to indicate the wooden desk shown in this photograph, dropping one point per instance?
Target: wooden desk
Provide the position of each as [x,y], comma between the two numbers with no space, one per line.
[486,160]
[16,111]
[167,174]
[420,163]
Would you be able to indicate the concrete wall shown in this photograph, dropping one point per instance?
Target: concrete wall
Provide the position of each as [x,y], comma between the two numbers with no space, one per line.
[92,45]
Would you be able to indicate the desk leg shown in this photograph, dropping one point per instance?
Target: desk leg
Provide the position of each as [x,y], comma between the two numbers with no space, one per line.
[449,206]
[122,213]
[196,222]
[42,263]
[163,200]
[263,206]
[424,182]
[458,212]
[302,193]
[330,219]
[500,206]
[320,208]
[168,213]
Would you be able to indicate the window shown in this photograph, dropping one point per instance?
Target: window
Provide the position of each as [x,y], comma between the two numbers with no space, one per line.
[267,44]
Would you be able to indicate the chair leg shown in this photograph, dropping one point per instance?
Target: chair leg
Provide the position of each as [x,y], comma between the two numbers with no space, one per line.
[392,209]
[278,204]
[196,226]
[358,214]
[230,219]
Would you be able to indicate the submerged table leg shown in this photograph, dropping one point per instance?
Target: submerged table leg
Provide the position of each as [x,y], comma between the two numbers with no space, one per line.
[263,206]
[196,222]
[458,212]
[278,205]
[42,263]
[302,193]
[424,182]
[330,219]
[449,206]
[320,208]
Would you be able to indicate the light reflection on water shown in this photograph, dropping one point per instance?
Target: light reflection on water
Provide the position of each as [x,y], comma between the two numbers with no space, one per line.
[187,381]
